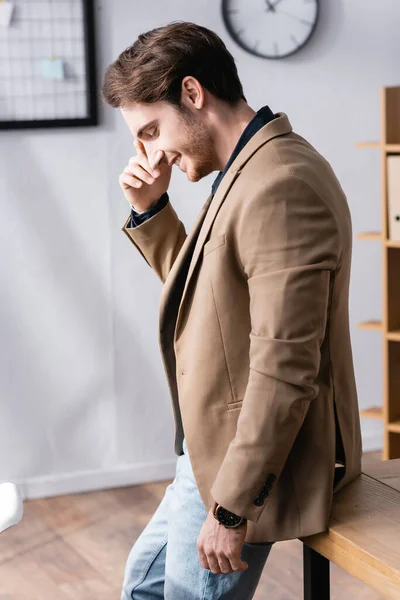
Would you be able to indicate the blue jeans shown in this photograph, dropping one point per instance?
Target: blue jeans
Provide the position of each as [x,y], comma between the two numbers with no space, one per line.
[164,562]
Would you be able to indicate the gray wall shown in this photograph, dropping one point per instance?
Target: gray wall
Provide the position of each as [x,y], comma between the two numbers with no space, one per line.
[84,400]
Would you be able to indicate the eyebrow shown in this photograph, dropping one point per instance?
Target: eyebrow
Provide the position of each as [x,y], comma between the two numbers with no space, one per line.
[144,127]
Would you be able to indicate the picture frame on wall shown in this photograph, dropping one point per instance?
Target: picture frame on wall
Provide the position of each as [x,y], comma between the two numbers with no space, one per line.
[47,64]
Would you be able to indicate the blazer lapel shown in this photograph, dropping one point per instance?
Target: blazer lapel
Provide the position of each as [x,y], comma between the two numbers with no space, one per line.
[173,286]
[179,278]
[220,195]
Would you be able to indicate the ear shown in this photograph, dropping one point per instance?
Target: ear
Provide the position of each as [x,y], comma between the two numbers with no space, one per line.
[192,93]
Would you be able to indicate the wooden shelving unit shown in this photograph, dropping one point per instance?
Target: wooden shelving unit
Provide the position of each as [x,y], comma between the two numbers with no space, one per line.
[389,324]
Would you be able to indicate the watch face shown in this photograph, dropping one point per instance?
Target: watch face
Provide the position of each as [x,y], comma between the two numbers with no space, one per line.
[227,518]
[270,28]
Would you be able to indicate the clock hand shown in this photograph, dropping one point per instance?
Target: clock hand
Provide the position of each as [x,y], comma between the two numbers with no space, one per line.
[276,3]
[299,19]
[270,6]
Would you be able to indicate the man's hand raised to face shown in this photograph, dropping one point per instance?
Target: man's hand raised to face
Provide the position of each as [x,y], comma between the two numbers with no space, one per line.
[143,183]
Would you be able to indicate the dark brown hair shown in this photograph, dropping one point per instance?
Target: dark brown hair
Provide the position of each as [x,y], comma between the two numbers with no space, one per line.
[153,67]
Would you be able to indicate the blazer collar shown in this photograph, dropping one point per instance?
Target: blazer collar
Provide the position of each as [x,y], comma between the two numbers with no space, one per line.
[278,126]
[172,296]
[261,118]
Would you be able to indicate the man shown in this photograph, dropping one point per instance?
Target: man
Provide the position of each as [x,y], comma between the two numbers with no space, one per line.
[253,323]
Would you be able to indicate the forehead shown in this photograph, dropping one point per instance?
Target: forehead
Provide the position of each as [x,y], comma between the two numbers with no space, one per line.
[138,115]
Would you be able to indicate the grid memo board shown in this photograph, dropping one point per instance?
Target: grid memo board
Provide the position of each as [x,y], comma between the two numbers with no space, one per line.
[47,64]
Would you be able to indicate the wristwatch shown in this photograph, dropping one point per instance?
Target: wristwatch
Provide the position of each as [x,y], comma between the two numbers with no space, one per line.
[226,517]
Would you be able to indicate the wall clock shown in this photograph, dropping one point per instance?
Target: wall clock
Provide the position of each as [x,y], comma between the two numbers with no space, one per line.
[270,28]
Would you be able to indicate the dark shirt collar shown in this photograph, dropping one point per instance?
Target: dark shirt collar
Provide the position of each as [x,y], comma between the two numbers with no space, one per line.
[261,118]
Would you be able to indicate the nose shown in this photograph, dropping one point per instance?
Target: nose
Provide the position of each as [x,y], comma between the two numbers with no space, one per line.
[153,155]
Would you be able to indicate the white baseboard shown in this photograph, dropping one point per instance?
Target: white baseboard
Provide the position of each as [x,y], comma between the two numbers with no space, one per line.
[89,481]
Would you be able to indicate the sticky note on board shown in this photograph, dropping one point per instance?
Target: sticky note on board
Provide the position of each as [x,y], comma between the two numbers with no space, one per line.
[53,68]
[6,11]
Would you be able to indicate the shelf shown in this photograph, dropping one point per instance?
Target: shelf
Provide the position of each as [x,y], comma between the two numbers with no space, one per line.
[394,427]
[370,235]
[395,148]
[394,335]
[374,412]
[377,235]
[368,145]
[376,325]
[392,148]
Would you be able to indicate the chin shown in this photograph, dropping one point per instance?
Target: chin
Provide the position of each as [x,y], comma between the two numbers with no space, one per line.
[197,174]
[193,177]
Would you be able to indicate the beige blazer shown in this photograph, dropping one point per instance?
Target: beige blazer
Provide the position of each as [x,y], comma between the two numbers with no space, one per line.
[254,335]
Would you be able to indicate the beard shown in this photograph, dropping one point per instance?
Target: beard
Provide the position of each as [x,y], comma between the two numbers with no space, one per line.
[197,146]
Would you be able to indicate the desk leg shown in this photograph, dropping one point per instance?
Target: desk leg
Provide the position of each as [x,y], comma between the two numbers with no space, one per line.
[315,575]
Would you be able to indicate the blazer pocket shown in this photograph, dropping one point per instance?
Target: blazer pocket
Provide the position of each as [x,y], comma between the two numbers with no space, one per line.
[213,243]
[234,404]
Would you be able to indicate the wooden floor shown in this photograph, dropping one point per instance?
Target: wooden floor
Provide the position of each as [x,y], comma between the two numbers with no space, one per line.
[75,546]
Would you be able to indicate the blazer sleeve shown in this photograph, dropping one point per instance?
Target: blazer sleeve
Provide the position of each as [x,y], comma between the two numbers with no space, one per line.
[138,217]
[288,243]
[158,238]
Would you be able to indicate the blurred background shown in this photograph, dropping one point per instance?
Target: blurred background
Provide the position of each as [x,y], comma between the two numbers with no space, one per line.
[84,402]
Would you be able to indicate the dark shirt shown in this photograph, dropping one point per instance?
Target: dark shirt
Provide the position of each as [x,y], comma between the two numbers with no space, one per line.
[261,118]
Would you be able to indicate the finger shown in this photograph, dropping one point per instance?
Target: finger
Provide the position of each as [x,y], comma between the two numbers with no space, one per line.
[143,155]
[213,562]
[224,563]
[144,163]
[140,147]
[203,558]
[140,173]
[158,158]
[237,563]
[129,180]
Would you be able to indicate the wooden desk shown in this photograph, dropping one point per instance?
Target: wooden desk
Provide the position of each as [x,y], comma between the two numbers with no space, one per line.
[363,536]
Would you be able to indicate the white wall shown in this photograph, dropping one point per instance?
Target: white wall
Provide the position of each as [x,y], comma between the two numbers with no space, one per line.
[84,400]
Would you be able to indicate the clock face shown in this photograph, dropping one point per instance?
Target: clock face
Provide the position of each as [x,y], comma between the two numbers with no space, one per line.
[270,28]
